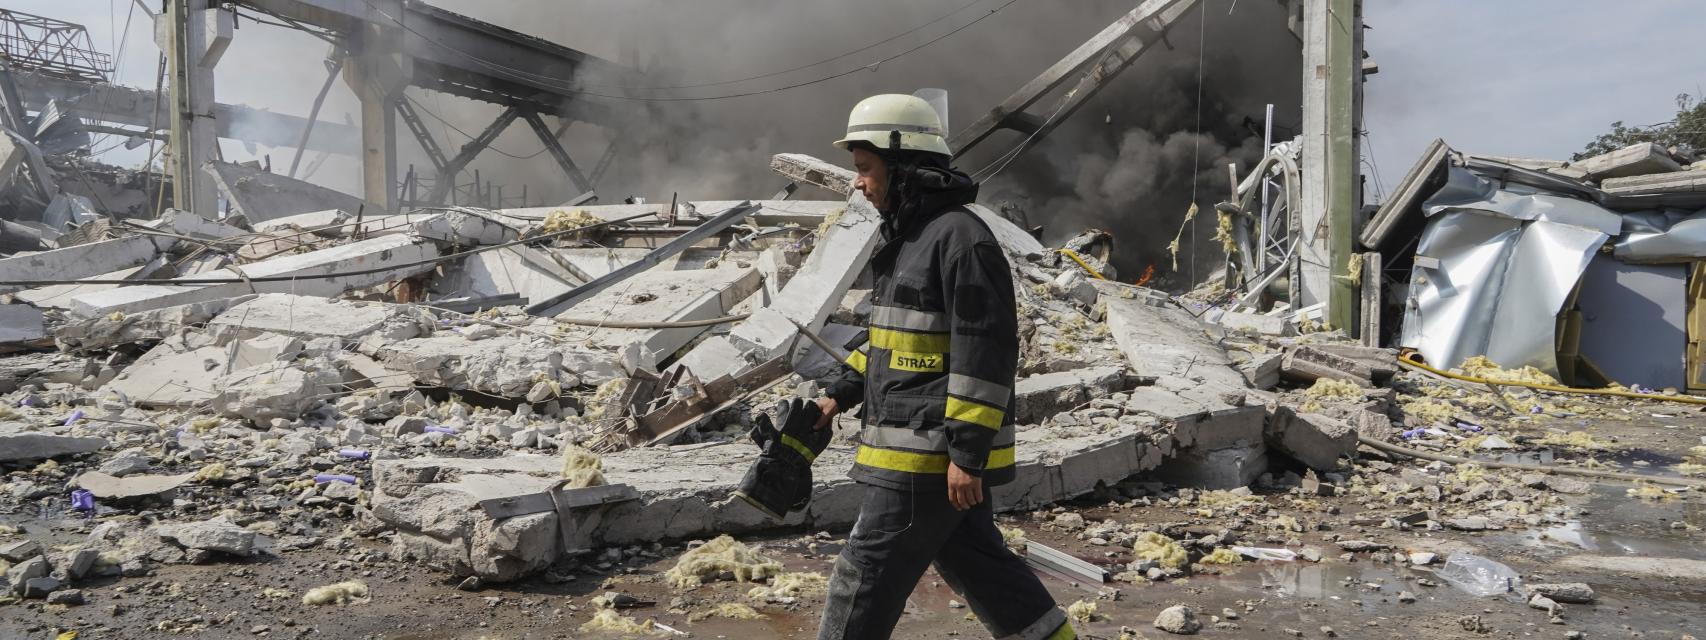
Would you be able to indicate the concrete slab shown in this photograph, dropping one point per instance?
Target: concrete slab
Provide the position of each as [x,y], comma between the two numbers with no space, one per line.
[1040,396]
[1164,342]
[59,296]
[1311,438]
[32,445]
[668,296]
[1660,183]
[310,272]
[315,317]
[504,365]
[525,271]
[82,261]
[105,332]
[464,228]
[259,196]
[1638,159]
[322,223]
[185,223]
[816,289]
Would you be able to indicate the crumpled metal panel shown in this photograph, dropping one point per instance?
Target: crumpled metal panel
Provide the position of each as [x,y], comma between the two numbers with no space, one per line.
[1662,236]
[1493,268]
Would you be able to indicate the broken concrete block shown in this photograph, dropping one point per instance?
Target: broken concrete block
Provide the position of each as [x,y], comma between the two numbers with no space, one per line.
[1251,323]
[1164,342]
[1223,468]
[1040,396]
[25,571]
[1072,285]
[20,551]
[1382,363]
[1570,592]
[321,223]
[106,332]
[278,390]
[82,261]
[671,296]
[506,366]
[29,445]
[316,317]
[108,487]
[1638,159]
[1307,364]
[524,271]
[1311,438]
[1262,371]
[1658,183]
[185,223]
[464,228]
[814,291]
[803,168]
[217,534]
[260,195]
[312,273]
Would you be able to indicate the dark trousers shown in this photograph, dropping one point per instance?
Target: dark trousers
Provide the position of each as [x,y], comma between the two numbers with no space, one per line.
[898,535]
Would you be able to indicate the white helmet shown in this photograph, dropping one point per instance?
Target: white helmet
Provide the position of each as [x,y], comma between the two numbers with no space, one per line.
[875,119]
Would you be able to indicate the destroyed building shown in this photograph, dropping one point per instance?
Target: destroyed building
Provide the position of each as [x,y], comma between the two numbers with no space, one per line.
[220,361]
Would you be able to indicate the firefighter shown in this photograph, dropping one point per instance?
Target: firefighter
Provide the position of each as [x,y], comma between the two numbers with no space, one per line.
[935,375]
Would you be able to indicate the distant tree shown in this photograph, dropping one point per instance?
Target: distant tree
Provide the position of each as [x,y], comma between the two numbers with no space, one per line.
[1687,132]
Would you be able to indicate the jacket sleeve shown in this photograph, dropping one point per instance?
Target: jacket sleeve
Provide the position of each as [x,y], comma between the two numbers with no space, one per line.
[847,384]
[983,351]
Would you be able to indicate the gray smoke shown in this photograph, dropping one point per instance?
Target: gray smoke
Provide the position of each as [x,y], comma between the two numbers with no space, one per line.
[1126,163]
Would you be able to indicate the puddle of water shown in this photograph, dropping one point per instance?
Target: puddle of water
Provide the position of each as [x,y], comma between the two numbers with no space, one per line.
[1617,524]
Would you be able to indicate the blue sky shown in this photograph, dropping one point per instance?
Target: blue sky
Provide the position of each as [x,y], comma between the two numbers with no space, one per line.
[1535,78]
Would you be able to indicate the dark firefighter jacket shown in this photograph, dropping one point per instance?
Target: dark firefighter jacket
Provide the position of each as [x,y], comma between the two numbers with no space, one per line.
[936,370]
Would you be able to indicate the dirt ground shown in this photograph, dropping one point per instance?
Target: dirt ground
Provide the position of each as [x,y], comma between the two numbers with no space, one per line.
[1644,558]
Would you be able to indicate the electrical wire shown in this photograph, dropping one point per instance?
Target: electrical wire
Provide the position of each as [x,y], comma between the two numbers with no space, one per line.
[809,65]
[553,83]
[489,147]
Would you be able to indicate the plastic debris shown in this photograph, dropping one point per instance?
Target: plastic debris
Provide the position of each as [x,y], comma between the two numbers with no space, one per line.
[74,417]
[82,500]
[1267,553]
[1479,576]
[323,478]
[433,428]
[355,454]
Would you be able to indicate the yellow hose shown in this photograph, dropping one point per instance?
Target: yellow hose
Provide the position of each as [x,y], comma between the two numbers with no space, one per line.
[1406,361]
[1074,255]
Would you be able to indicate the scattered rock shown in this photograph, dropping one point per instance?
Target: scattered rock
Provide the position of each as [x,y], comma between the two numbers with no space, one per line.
[1571,592]
[217,534]
[1178,619]
[67,597]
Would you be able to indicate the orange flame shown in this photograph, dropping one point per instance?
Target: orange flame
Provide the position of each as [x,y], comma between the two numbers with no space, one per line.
[1148,273]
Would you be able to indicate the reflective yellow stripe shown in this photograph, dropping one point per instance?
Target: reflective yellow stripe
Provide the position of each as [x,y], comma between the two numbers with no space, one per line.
[909,341]
[925,462]
[919,362]
[857,361]
[968,411]
[1065,632]
[800,447]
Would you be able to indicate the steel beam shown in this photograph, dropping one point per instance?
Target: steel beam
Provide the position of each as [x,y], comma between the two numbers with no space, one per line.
[406,110]
[1116,37]
[446,179]
[132,107]
[556,150]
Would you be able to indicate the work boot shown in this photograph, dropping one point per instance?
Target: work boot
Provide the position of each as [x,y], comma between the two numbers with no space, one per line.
[780,481]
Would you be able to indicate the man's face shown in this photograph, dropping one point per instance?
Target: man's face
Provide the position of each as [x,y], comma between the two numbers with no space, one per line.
[873,180]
